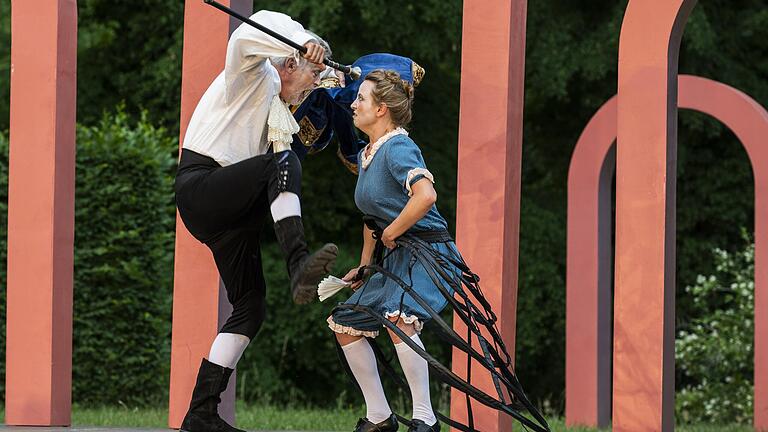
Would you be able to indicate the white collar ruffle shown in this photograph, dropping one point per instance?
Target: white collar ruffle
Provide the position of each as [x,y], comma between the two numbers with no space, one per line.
[379,142]
[281,125]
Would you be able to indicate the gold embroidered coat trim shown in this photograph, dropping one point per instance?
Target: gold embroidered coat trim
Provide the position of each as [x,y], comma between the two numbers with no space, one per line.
[308,133]
[352,167]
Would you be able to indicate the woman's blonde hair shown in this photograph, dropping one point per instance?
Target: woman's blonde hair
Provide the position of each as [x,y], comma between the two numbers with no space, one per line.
[394,92]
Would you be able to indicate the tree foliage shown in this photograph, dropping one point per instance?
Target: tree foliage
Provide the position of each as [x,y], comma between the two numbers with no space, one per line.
[571,69]
[715,350]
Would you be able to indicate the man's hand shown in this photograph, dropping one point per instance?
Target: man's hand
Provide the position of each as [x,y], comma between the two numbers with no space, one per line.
[315,53]
[351,275]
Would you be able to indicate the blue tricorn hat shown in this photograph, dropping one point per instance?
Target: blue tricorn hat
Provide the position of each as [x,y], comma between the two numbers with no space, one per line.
[326,112]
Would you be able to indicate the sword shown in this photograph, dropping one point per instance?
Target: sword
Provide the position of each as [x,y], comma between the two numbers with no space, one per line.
[353,72]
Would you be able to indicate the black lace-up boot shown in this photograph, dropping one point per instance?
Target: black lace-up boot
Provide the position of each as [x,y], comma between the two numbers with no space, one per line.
[203,414]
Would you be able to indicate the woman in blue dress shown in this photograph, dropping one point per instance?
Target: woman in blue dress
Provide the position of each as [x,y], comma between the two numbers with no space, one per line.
[395,190]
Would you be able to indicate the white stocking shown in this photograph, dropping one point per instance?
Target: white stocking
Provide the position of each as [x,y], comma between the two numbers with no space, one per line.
[417,374]
[227,349]
[362,362]
[286,204]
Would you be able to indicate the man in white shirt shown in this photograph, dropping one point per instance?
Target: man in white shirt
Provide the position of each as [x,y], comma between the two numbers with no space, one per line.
[237,166]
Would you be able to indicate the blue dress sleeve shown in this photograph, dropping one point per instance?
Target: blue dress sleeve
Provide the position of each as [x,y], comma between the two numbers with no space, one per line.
[406,163]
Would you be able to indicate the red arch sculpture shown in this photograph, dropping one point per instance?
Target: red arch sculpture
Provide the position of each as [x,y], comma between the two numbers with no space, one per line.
[588,273]
[588,306]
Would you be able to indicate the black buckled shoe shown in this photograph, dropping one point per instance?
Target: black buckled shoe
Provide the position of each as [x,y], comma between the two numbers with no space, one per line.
[419,426]
[388,425]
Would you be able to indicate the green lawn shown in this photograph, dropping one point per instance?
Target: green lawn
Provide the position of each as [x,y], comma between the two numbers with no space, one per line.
[248,417]
[273,418]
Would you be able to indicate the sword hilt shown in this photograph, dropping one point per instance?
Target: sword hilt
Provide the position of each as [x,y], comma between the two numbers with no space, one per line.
[353,72]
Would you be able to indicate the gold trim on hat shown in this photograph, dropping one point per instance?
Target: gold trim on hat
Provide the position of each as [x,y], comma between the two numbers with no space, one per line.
[417,72]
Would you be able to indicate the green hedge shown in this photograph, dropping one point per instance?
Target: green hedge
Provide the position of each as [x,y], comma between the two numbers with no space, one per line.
[124,218]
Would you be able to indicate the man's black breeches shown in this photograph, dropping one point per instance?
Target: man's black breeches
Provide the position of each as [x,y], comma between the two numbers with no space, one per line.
[226,208]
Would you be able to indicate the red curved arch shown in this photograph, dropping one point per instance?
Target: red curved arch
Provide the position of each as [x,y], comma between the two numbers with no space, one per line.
[588,256]
[588,273]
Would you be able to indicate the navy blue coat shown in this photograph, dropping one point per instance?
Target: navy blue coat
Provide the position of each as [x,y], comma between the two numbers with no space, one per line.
[326,112]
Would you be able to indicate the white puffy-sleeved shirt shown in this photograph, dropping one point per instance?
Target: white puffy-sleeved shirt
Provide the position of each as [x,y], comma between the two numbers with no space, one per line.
[230,121]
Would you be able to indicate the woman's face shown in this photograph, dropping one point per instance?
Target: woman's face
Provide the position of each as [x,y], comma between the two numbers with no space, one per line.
[364,109]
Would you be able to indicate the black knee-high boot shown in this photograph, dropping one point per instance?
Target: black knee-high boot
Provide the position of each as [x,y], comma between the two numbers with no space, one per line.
[203,414]
[306,270]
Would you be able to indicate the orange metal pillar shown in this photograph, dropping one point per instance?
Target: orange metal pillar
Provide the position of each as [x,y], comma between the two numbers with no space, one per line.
[490,144]
[200,306]
[644,305]
[41,204]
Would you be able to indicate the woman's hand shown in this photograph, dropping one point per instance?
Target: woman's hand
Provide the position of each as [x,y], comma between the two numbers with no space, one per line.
[351,275]
[423,198]
[388,239]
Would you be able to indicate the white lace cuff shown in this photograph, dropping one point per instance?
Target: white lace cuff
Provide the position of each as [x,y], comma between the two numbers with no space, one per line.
[338,328]
[408,319]
[413,173]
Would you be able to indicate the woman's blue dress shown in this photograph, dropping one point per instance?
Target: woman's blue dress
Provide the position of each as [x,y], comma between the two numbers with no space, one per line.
[381,193]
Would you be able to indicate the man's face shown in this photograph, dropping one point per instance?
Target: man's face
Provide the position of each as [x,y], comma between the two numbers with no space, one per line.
[364,109]
[298,80]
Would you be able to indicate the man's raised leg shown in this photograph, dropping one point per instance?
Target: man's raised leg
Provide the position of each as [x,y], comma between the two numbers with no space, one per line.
[305,269]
